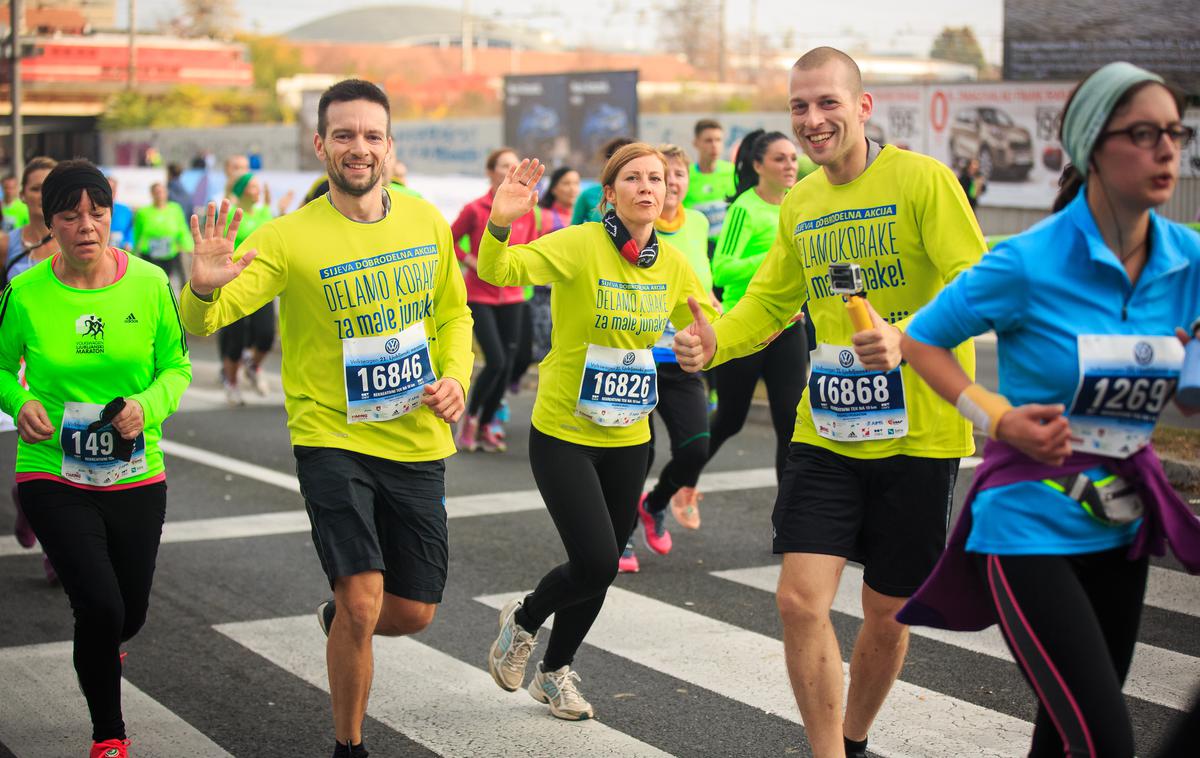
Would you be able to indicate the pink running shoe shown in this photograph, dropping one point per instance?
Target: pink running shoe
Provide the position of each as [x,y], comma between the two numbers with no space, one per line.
[628,562]
[489,442]
[658,538]
[468,433]
[21,528]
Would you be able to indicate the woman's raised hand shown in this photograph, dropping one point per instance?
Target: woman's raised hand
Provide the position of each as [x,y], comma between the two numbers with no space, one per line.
[517,194]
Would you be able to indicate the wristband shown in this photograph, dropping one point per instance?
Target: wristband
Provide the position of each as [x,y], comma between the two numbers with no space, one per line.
[211,296]
[499,232]
[983,408]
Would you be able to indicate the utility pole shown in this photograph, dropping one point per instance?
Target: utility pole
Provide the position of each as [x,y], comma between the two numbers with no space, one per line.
[131,79]
[14,88]
[468,38]
[721,40]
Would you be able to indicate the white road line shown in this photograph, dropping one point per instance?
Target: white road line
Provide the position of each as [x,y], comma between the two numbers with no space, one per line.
[294,522]
[1157,675]
[44,712]
[450,707]
[749,667]
[1174,591]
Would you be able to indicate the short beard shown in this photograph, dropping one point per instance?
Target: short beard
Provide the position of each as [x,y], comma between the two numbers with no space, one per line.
[337,180]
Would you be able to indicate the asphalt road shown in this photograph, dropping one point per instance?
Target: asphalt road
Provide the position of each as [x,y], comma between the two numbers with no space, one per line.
[685,660]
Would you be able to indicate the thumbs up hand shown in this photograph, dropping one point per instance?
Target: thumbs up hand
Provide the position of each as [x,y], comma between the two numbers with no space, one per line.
[695,345]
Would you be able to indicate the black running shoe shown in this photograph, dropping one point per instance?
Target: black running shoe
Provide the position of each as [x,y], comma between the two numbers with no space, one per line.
[325,612]
[347,750]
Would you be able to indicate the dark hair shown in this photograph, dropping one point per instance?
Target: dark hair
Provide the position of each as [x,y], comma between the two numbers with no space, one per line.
[347,90]
[703,125]
[1071,181]
[174,171]
[752,150]
[494,157]
[66,183]
[547,198]
[610,148]
[40,163]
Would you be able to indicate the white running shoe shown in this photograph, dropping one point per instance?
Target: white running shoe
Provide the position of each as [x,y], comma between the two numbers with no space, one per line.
[510,652]
[233,395]
[557,689]
[258,379]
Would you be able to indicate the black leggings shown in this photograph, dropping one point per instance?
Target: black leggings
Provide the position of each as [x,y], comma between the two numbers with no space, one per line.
[103,546]
[592,494]
[683,408]
[498,330]
[783,365]
[254,331]
[523,355]
[1071,623]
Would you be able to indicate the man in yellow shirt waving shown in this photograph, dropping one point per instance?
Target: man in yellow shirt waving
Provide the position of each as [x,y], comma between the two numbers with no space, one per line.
[376,338]
[874,456]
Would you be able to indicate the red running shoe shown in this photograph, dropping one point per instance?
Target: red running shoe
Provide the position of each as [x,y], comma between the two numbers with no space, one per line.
[110,749]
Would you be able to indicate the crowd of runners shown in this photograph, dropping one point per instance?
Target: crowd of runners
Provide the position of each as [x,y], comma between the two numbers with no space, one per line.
[678,276]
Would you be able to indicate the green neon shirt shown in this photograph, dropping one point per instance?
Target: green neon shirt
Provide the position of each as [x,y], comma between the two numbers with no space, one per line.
[707,193]
[749,230]
[140,353]
[166,227]
[338,280]
[16,215]
[598,298]
[906,222]
[691,239]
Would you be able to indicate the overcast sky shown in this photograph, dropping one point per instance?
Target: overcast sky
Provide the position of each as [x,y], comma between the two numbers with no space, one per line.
[900,27]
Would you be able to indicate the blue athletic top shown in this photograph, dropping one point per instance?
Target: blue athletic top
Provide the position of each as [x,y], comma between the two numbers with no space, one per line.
[121,232]
[15,246]
[1039,291]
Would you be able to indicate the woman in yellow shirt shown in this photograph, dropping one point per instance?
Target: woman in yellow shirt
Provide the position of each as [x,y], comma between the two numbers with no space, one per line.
[616,288]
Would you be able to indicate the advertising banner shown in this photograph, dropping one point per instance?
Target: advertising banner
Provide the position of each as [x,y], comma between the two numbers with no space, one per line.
[564,119]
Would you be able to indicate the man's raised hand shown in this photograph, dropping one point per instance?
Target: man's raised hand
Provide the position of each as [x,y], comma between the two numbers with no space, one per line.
[213,265]
[695,345]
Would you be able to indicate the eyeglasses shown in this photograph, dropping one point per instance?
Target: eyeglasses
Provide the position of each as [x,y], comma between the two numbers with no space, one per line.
[1147,136]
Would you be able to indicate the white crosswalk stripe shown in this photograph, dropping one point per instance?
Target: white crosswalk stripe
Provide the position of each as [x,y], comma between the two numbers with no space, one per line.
[44,712]
[1157,675]
[450,707]
[749,667]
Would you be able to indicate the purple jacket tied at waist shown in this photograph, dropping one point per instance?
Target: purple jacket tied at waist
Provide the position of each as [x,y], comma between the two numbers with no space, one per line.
[955,596]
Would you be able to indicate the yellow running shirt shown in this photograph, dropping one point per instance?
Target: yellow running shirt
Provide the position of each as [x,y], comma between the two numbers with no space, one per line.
[906,222]
[599,299]
[340,280]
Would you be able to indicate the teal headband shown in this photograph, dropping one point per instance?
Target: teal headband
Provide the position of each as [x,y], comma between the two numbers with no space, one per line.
[240,185]
[1092,105]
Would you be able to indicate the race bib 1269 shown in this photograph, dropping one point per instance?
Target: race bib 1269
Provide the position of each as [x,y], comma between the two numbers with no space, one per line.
[1125,381]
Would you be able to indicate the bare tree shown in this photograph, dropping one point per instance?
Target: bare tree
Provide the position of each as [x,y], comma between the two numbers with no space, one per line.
[215,19]
[692,28]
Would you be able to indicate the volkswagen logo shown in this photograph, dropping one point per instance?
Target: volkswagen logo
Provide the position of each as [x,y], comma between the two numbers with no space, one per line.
[392,346]
[846,359]
[1143,353]
[629,358]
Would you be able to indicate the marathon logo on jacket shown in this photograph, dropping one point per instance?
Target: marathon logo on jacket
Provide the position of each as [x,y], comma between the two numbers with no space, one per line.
[866,236]
[635,308]
[387,293]
[90,329]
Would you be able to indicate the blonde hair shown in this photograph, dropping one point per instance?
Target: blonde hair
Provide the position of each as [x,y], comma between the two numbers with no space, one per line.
[627,154]
[674,153]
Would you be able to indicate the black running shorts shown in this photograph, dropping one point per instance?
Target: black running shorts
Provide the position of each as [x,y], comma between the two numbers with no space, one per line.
[374,514]
[890,514]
